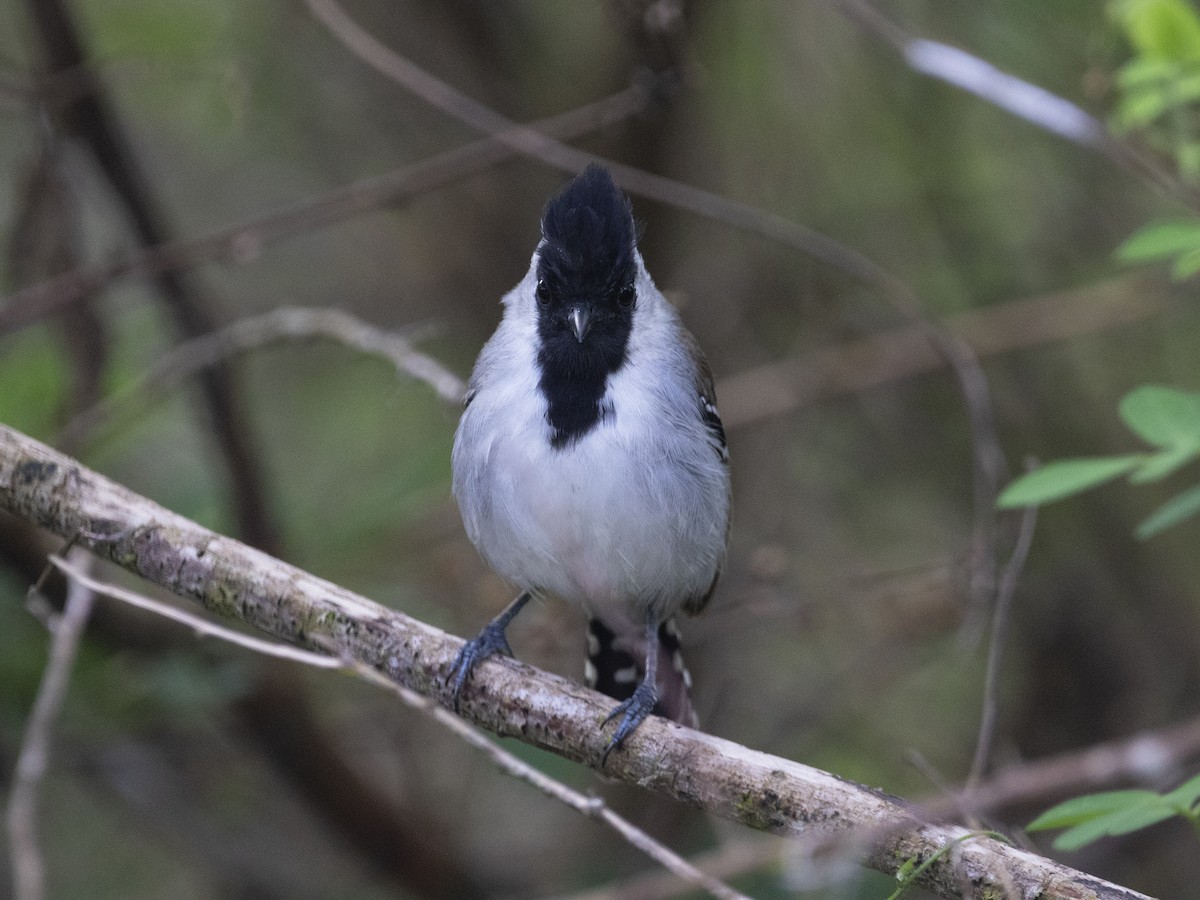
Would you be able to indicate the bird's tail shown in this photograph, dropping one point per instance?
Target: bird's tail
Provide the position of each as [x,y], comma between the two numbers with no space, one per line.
[616,662]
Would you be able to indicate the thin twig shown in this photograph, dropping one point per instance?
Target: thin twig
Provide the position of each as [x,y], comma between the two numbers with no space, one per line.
[593,807]
[977,76]
[537,144]
[1148,757]
[765,391]
[1005,592]
[283,323]
[245,240]
[1031,102]
[201,626]
[29,878]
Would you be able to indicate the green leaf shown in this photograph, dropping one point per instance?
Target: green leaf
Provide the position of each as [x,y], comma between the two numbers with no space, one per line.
[1160,465]
[1087,808]
[1146,71]
[1114,824]
[1187,263]
[1170,513]
[1166,29]
[1150,87]
[1163,416]
[1161,240]
[1139,109]
[1186,796]
[1065,477]
[1105,814]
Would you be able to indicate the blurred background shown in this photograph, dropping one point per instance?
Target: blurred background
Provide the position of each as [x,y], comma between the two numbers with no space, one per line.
[850,631]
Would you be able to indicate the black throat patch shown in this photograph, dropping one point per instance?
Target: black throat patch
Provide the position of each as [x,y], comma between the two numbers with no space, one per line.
[585,272]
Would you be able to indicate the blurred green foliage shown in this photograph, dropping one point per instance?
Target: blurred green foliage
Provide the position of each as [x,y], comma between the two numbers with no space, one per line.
[1114,813]
[1160,85]
[1164,417]
[836,636]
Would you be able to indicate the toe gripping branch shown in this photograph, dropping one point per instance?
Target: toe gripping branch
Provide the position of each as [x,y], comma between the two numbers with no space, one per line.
[633,712]
[641,703]
[490,641]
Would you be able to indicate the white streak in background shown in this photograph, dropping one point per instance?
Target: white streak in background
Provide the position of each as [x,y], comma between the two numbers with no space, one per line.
[1019,97]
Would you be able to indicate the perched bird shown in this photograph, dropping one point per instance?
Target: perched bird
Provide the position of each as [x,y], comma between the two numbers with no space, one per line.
[590,463]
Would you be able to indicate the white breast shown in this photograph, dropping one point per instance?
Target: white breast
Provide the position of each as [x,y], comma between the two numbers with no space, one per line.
[631,515]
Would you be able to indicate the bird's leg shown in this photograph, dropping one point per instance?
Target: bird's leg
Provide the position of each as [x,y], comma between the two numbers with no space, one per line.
[490,641]
[633,711]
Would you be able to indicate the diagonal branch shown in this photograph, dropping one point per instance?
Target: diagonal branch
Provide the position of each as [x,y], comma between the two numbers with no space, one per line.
[593,807]
[507,697]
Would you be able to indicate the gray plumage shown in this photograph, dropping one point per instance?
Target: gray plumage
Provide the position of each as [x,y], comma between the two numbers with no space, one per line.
[618,499]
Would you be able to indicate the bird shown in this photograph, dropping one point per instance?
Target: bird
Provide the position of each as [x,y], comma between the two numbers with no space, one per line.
[590,462]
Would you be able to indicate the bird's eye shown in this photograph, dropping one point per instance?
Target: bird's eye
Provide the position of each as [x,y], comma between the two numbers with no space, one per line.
[626,297]
[542,293]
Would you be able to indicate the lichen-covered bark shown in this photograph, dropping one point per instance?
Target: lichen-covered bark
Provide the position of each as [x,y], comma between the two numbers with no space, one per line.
[505,696]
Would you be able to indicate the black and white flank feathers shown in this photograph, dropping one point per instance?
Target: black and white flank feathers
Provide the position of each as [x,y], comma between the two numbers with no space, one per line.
[590,462]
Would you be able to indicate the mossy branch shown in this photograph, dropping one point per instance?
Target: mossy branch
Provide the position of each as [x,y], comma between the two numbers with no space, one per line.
[509,698]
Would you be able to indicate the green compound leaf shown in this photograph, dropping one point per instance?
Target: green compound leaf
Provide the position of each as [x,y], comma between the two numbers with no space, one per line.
[1090,806]
[1187,263]
[1161,240]
[1186,796]
[1162,464]
[1107,814]
[1065,477]
[1164,416]
[1162,29]
[1170,513]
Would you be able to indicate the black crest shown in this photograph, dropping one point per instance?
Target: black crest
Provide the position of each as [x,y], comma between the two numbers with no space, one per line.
[586,266]
[589,237]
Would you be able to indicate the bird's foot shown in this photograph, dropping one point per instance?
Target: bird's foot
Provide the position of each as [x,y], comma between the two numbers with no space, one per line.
[490,641]
[633,712]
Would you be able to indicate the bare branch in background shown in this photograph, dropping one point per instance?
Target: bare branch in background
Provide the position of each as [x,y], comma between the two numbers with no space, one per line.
[29,876]
[1006,91]
[284,323]
[546,149]
[508,697]
[1144,758]
[593,807]
[748,397]
[979,77]
[770,390]
[1005,592]
[77,575]
[244,241]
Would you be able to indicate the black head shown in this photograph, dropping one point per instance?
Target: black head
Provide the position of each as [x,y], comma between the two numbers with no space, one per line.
[585,298]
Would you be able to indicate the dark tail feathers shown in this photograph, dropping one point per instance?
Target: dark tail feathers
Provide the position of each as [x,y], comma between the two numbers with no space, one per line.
[616,664]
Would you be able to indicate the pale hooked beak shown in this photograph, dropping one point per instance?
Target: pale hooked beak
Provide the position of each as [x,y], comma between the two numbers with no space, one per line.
[581,320]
